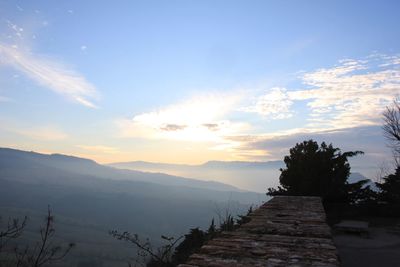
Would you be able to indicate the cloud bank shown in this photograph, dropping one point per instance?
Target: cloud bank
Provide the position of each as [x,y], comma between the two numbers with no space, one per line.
[329,101]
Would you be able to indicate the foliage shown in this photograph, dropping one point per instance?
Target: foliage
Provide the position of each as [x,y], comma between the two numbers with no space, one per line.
[228,224]
[196,237]
[212,230]
[313,170]
[390,188]
[173,254]
[244,218]
[191,243]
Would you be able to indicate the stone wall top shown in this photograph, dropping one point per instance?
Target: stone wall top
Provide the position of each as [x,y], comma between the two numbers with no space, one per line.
[285,231]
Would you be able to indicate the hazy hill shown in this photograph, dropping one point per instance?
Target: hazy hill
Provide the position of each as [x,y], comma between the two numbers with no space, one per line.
[12,159]
[89,199]
[253,176]
[208,164]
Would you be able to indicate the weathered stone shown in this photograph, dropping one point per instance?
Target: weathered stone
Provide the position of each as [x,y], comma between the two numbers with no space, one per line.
[286,231]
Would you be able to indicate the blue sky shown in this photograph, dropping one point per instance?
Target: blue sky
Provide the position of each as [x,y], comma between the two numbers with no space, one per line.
[191,81]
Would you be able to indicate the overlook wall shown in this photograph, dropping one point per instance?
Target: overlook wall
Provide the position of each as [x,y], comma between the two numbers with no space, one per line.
[285,231]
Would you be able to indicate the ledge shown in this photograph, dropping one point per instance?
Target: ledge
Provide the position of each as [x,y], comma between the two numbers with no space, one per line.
[285,231]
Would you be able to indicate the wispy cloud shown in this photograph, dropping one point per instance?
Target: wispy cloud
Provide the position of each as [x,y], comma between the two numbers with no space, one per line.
[45,133]
[275,104]
[50,74]
[99,149]
[354,93]
[338,100]
[42,133]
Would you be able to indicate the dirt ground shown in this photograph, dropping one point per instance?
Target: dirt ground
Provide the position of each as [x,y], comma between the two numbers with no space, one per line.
[381,247]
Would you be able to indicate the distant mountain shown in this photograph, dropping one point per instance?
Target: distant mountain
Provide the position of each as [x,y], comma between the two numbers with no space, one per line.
[356,176]
[243,164]
[208,164]
[252,176]
[11,158]
[89,199]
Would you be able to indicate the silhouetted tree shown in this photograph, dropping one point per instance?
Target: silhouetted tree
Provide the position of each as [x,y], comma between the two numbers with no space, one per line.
[390,188]
[389,185]
[391,128]
[313,170]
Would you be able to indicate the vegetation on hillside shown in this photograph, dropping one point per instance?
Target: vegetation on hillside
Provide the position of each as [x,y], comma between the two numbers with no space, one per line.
[174,253]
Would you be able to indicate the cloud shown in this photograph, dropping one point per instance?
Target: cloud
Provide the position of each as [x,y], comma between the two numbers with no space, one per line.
[342,100]
[354,93]
[366,138]
[16,31]
[211,126]
[330,102]
[37,132]
[99,149]
[50,74]
[173,127]
[275,104]
[200,118]
[44,133]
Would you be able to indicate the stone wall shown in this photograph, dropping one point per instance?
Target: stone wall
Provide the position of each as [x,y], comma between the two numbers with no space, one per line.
[285,231]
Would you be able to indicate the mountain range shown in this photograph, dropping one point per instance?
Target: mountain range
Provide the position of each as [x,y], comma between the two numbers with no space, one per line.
[251,176]
[89,199]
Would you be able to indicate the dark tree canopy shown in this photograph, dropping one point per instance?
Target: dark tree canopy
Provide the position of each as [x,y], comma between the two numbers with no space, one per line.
[313,170]
[390,188]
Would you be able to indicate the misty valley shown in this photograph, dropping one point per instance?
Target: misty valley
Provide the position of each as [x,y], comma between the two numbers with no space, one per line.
[88,200]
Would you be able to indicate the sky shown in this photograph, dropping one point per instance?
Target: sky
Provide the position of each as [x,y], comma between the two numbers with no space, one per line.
[191,81]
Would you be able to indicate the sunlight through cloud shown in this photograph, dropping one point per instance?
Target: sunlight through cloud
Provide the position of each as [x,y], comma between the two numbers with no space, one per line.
[201,118]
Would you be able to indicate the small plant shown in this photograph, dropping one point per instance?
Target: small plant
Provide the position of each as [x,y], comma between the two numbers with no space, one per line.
[173,254]
[160,257]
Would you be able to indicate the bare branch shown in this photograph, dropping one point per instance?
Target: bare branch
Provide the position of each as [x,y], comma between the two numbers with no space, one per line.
[13,230]
[44,251]
[391,128]
[162,255]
